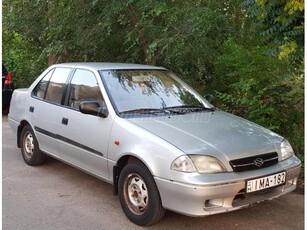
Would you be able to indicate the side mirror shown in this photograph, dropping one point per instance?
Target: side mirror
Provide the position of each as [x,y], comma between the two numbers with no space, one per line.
[209,97]
[93,108]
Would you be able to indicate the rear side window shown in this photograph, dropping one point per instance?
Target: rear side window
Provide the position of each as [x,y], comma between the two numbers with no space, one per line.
[84,87]
[52,86]
[56,85]
[40,90]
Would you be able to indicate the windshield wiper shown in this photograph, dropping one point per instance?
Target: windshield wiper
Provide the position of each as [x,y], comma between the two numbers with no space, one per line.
[151,111]
[167,110]
[189,108]
[143,111]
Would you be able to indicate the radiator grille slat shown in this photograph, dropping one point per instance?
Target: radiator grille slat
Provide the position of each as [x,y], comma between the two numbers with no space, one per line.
[254,162]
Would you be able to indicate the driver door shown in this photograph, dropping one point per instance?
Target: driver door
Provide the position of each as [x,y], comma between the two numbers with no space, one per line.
[84,138]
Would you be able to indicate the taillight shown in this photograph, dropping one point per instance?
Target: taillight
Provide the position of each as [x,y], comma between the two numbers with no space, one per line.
[8,79]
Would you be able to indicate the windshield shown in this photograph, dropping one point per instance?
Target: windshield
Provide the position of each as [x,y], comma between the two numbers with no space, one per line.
[149,90]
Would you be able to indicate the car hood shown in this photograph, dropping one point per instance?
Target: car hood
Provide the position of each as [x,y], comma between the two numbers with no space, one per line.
[212,133]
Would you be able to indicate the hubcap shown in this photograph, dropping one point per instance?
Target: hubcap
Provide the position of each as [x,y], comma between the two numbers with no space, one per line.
[137,193]
[28,145]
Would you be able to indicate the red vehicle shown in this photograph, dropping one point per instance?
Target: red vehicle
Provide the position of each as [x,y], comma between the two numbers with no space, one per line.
[7,90]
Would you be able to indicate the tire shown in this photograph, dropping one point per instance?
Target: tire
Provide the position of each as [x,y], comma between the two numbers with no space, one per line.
[29,147]
[139,195]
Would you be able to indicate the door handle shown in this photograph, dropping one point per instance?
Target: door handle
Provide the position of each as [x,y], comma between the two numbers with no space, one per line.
[65,121]
[31,109]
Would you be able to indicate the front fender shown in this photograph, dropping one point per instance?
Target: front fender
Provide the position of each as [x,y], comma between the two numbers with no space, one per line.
[128,139]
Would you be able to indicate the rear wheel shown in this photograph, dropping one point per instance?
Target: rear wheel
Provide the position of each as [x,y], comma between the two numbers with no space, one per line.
[29,147]
[139,196]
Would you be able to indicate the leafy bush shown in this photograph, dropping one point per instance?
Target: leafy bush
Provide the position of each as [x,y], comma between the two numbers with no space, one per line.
[21,59]
[262,89]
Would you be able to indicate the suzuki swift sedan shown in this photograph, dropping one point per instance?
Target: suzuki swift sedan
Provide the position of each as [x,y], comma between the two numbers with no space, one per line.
[161,144]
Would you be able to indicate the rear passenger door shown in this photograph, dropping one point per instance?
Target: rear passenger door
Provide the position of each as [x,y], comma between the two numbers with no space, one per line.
[44,108]
[84,138]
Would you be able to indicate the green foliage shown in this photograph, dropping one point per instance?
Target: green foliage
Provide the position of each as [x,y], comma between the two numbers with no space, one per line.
[248,90]
[185,37]
[283,22]
[262,89]
[18,59]
[212,45]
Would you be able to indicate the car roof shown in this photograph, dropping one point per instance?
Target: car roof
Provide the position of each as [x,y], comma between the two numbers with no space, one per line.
[107,66]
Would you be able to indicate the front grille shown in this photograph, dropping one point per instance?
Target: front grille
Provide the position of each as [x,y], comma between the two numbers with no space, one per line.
[255,162]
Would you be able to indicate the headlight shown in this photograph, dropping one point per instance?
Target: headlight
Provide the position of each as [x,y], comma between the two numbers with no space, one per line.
[199,163]
[207,164]
[286,150]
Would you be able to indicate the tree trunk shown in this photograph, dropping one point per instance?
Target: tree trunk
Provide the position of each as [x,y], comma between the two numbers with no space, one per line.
[139,30]
[52,60]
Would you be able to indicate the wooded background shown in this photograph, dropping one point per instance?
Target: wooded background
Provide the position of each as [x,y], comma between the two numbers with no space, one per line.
[248,53]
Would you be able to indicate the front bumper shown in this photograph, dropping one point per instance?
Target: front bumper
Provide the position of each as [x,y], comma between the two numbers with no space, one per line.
[214,198]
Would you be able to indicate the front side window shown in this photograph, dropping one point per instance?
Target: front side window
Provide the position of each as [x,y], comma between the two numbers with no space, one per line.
[84,87]
[56,85]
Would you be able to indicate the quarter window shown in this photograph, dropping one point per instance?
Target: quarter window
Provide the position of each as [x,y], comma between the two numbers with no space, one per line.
[84,87]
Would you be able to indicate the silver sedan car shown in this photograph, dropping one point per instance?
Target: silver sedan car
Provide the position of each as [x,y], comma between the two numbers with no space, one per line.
[160,143]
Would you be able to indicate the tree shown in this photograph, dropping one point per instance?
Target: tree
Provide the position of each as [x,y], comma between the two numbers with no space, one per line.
[212,45]
[283,22]
[184,36]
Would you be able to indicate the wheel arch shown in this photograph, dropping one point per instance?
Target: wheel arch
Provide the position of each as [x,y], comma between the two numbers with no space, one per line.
[121,163]
[22,124]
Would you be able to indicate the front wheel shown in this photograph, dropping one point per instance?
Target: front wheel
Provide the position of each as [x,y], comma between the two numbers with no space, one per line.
[29,147]
[139,196]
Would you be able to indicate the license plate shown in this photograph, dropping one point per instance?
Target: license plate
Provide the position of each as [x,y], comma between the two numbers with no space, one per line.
[265,182]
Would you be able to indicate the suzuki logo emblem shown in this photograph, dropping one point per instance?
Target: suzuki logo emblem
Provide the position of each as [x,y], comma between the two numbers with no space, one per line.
[258,162]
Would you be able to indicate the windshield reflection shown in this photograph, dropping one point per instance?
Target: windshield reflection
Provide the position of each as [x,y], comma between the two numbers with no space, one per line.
[148,89]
